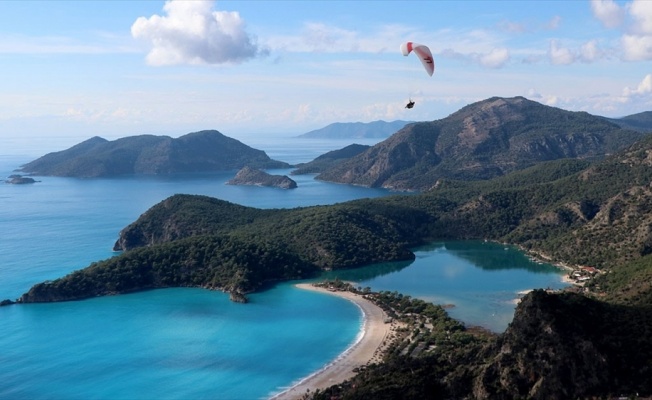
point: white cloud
(533, 94)
(560, 55)
(608, 12)
(637, 43)
(636, 37)
(587, 53)
(590, 51)
(636, 48)
(641, 13)
(551, 100)
(496, 58)
(191, 33)
(643, 88)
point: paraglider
(425, 56)
(423, 52)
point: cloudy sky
(120, 68)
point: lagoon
(193, 343)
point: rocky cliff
(567, 346)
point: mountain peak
(483, 140)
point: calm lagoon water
(193, 343)
(481, 282)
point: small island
(20, 180)
(256, 177)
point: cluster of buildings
(581, 275)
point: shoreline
(365, 349)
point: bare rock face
(256, 177)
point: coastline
(366, 348)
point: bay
(193, 343)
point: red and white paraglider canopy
(423, 52)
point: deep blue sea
(193, 343)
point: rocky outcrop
(567, 346)
(256, 177)
(238, 297)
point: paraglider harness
(410, 104)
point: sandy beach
(375, 332)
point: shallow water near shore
(171, 344)
(193, 343)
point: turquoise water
(480, 282)
(171, 344)
(193, 343)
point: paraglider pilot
(410, 104)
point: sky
(87, 68)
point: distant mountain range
(356, 130)
(202, 151)
(481, 141)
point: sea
(185, 343)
